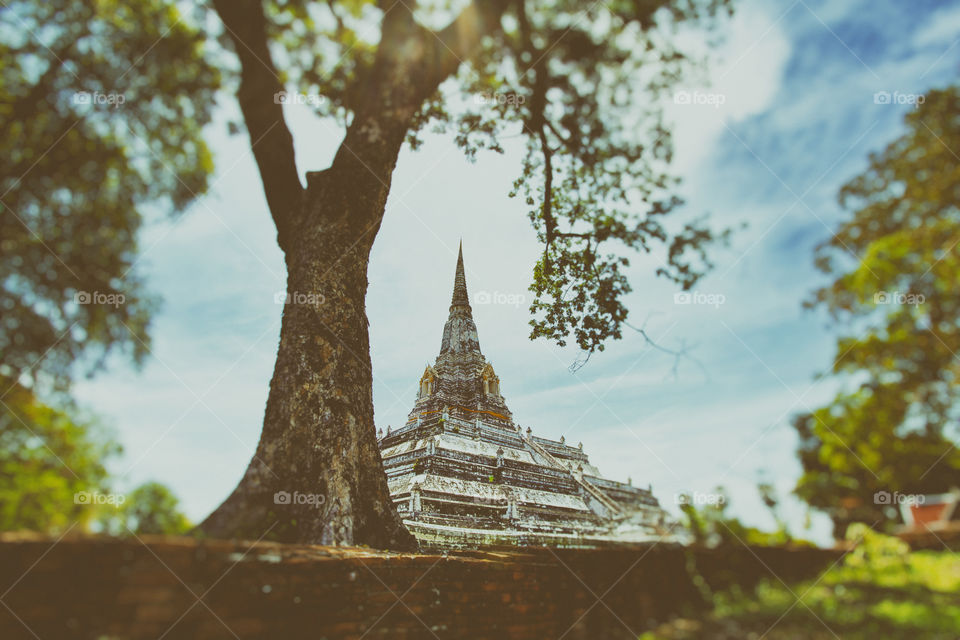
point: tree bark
(317, 475)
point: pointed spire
(460, 296)
(460, 331)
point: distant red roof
(928, 510)
(922, 514)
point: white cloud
(743, 77)
(941, 28)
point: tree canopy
(582, 83)
(102, 104)
(151, 508)
(47, 457)
(54, 475)
(895, 271)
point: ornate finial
(580, 446)
(388, 429)
(529, 431)
(379, 433)
(629, 481)
(562, 440)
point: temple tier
(464, 475)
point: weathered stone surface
(463, 474)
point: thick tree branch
(550, 223)
(410, 64)
(537, 124)
(269, 136)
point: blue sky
(799, 116)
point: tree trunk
(317, 476)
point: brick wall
(92, 587)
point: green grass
(879, 591)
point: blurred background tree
(896, 275)
(150, 508)
(710, 523)
(53, 461)
(47, 457)
(102, 104)
(878, 590)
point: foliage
(47, 458)
(711, 525)
(101, 105)
(880, 590)
(150, 508)
(53, 474)
(581, 84)
(896, 274)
